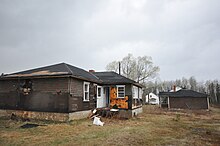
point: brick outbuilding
(184, 99)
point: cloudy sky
(182, 36)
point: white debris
(94, 111)
(97, 121)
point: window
(86, 91)
(135, 91)
(26, 86)
(140, 93)
(153, 100)
(120, 91)
(99, 89)
(104, 90)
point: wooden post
(208, 102)
(168, 101)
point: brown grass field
(154, 126)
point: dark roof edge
(49, 76)
(131, 81)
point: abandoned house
(184, 99)
(64, 92)
(118, 90)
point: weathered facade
(58, 88)
(184, 99)
(66, 89)
(60, 94)
(43, 94)
(122, 93)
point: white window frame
(84, 91)
(135, 90)
(99, 87)
(119, 86)
(104, 90)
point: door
(101, 97)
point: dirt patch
(155, 126)
(30, 125)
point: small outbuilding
(152, 98)
(184, 99)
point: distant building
(184, 99)
(152, 98)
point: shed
(184, 99)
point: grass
(154, 126)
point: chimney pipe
(119, 67)
(174, 88)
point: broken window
(26, 86)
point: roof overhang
(47, 76)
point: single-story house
(60, 92)
(152, 98)
(184, 99)
(119, 91)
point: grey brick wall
(76, 87)
(50, 85)
(8, 85)
(76, 102)
(188, 102)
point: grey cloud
(181, 36)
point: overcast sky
(181, 36)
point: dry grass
(154, 127)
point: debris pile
(97, 121)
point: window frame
(84, 91)
(135, 92)
(120, 86)
(140, 93)
(99, 87)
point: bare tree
(140, 69)
(145, 69)
(218, 92)
(185, 83)
(113, 66)
(128, 64)
(193, 83)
